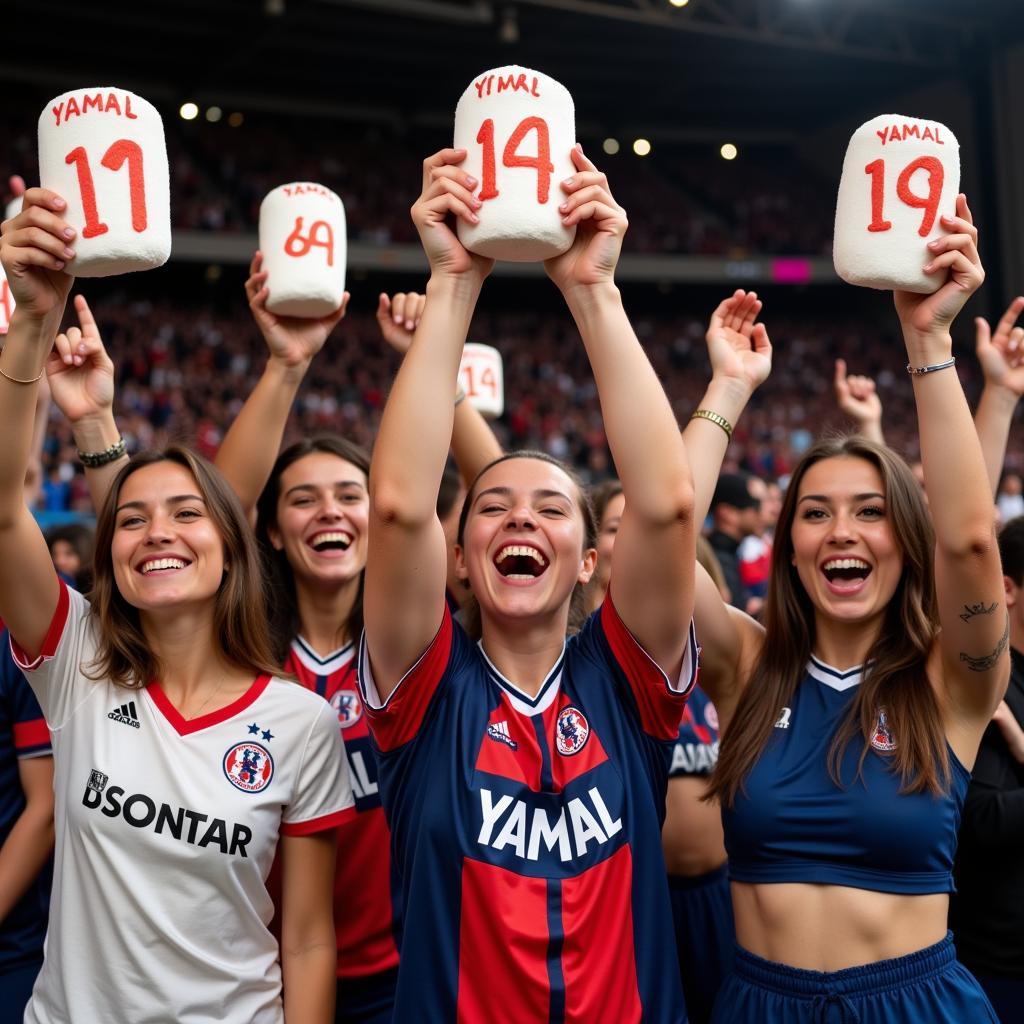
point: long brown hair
(285, 624)
(894, 678)
(240, 611)
(577, 601)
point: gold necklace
(213, 693)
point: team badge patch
(348, 706)
(249, 767)
(571, 731)
(711, 715)
(883, 738)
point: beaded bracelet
(721, 421)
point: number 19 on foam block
(900, 175)
(518, 128)
(103, 151)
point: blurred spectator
(735, 515)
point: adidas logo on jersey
(498, 731)
(783, 722)
(126, 715)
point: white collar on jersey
(523, 702)
(322, 666)
(833, 677)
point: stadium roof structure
(752, 68)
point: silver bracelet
(93, 460)
(460, 396)
(920, 371)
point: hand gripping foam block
(302, 238)
(900, 175)
(6, 298)
(518, 127)
(482, 378)
(103, 151)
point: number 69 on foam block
(103, 151)
(518, 128)
(900, 176)
(481, 376)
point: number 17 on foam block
(518, 128)
(900, 176)
(103, 151)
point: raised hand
(600, 228)
(448, 192)
(398, 316)
(739, 348)
(857, 398)
(80, 372)
(291, 339)
(1002, 354)
(927, 318)
(34, 247)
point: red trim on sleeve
(322, 824)
(53, 634)
(661, 707)
(402, 715)
(33, 733)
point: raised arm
(81, 377)
(741, 359)
(405, 569)
(247, 454)
(968, 576)
(857, 398)
(1001, 356)
(34, 246)
(652, 577)
(473, 442)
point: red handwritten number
(489, 188)
(877, 172)
(119, 152)
(487, 381)
(929, 203)
(113, 159)
(510, 156)
(93, 225)
(297, 244)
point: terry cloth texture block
(103, 151)
(900, 176)
(518, 127)
(302, 238)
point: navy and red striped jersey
(696, 748)
(527, 832)
(23, 734)
(364, 911)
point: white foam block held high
(103, 151)
(7, 302)
(518, 127)
(302, 238)
(900, 176)
(482, 377)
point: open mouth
(331, 540)
(846, 573)
(520, 562)
(160, 565)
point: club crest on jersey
(711, 715)
(571, 731)
(883, 738)
(249, 767)
(348, 706)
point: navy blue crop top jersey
(526, 831)
(695, 751)
(792, 823)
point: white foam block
(482, 377)
(302, 238)
(7, 302)
(103, 151)
(518, 127)
(900, 176)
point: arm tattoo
(984, 663)
(970, 610)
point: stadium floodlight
(610, 146)
(189, 111)
(641, 147)
(729, 151)
(678, 3)
(213, 114)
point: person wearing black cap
(734, 512)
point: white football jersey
(166, 830)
